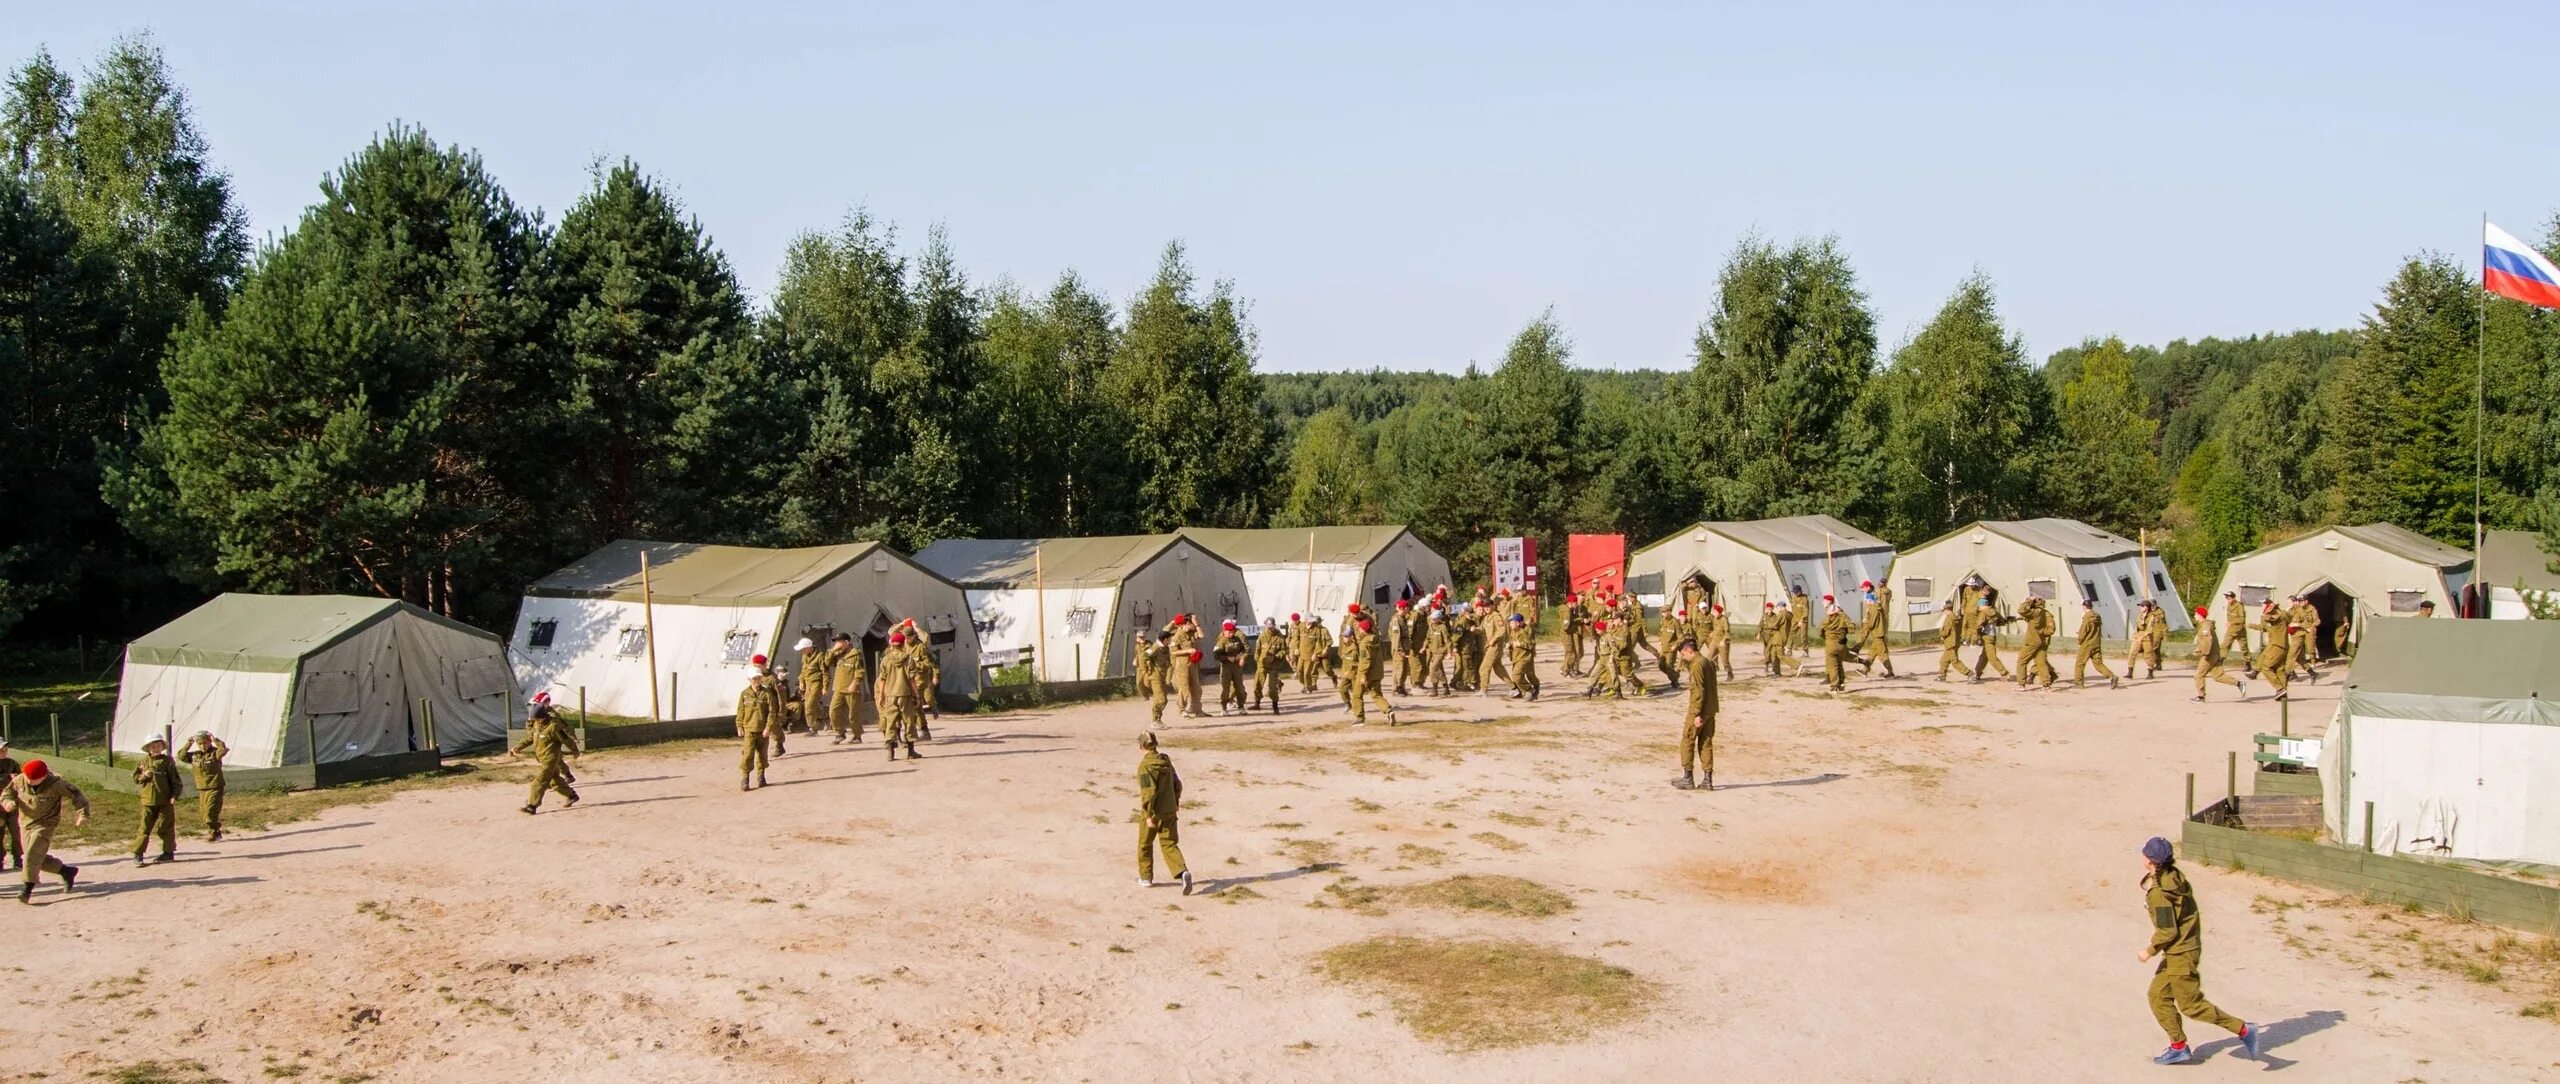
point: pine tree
(1970, 422)
(2400, 447)
(1329, 478)
(1199, 436)
(667, 418)
(1054, 464)
(841, 309)
(926, 390)
(2106, 472)
(57, 309)
(357, 419)
(1777, 399)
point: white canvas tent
(302, 679)
(1317, 570)
(2058, 560)
(2514, 566)
(715, 608)
(2360, 571)
(2444, 729)
(1078, 599)
(1745, 563)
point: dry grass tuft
(1498, 895)
(1419, 855)
(1474, 995)
(1309, 852)
(1498, 841)
(1753, 879)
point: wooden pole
(582, 717)
(649, 634)
(1311, 577)
(1040, 614)
(2191, 796)
(675, 709)
(311, 747)
(2284, 717)
(2231, 782)
(4, 724)
(2368, 828)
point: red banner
(1596, 560)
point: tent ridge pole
(649, 633)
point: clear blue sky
(1405, 186)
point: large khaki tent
(2514, 565)
(304, 679)
(1077, 599)
(715, 608)
(2444, 729)
(2360, 571)
(1745, 563)
(1317, 570)
(2059, 560)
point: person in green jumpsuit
(1436, 642)
(1270, 660)
(1986, 624)
(1577, 629)
(1524, 659)
(1773, 640)
(813, 687)
(2277, 634)
(1698, 730)
(1950, 638)
(36, 796)
(157, 776)
(1148, 661)
(2210, 659)
(1231, 651)
(1836, 654)
(1159, 816)
(848, 689)
(1364, 665)
(758, 705)
(547, 736)
(1873, 642)
(204, 752)
(2235, 625)
(2177, 938)
(2088, 652)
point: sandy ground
(1942, 890)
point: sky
(1405, 186)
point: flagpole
(2479, 429)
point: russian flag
(2512, 269)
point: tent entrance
(1697, 592)
(2334, 607)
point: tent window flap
(2406, 602)
(635, 640)
(330, 692)
(738, 646)
(542, 633)
(1917, 588)
(2042, 589)
(478, 677)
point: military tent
(2059, 560)
(2357, 571)
(1745, 563)
(2443, 728)
(313, 679)
(1317, 570)
(715, 608)
(2515, 567)
(1076, 600)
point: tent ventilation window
(1080, 621)
(2042, 589)
(1648, 585)
(329, 692)
(2089, 590)
(2406, 602)
(482, 676)
(2124, 583)
(1917, 588)
(822, 635)
(635, 640)
(542, 633)
(1146, 617)
(2255, 594)
(1229, 606)
(738, 646)
(2160, 581)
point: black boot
(70, 874)
(911, 751)
(1711, 779)
(1685, 782)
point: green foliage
(2400, 445)
(1970, 423)
(2105, 472)
(1777, 397)
(1199, 438)
(1329, 476)
(357, 420)
(1057, 464)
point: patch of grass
(187, 1071)
(1870, 702)
(1498, 841)
(1474, 995)
(2545, 1009)
(1416, 854)
(1238, 894)
(1519, 820)
(1756, 879)
(1498, 895)
(115, 819)
(1309, 852)
(1349, 894)
(1921, 776)
(1364, 805)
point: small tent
(2513, 566)
(1748, 562)
(2061, 561)
(303, 679)
(1077, 600)
(1317, 570)
(2444, 729)
(2352, 571)
(715, 608)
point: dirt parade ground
(1911, 882)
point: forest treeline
(422, 389)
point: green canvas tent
(302, 679)
(2445, 728)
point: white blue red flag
(2512, 269)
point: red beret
(35, 771)
(1364, 624)
(897, 637)
(758, 660)
(1354, 608)
(1599, 626)
(1294, 617)
(1404, 604)
(1866, 583)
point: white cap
(804, 644)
